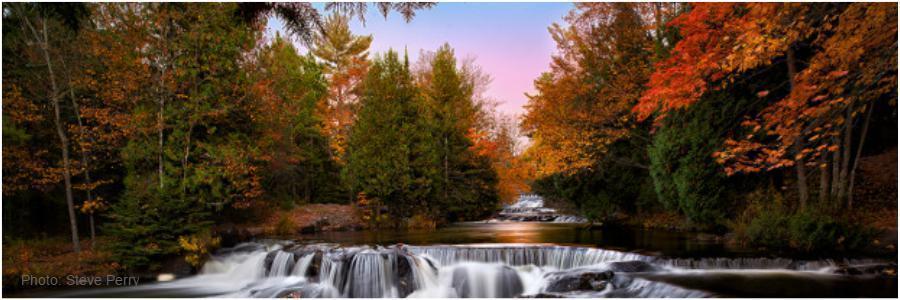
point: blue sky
(508, 40)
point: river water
(505, 259)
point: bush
(773, 225)
(285, 226)
(197, 247)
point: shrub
(197, 247)
(285, 225)
(420, 221)
(772, 225)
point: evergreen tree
(465, 184)
(202, 148)
(381, 141)
(290, 88)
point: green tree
(380, 146)
(290, 88)
(465, 184)
(203, 148)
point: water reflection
(631, 239)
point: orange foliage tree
(851, 64)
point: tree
(465, 181)
(290, 89)
(303, 20)
(380, 145)
(346, 59)
(585, 140)
(584, 103)
(198, 52)
(724, 42)
(841, 82)
(49, 28)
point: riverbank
(46, 258)
(308, 218)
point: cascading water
(482, 270)
(531, 208)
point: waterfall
(559, 257)
(281, 264)
(484, 271)
(370, 276)
(302, 264)
(530, 208)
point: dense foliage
(714, 102)
(162, 119)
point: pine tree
(380, 147)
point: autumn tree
(346, 58)
(195, 119)
(727, 42)
(580, 119)
(290, 89)
(43, 35)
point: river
(505, 259)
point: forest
(749, 118)
(152, 122)
(149, 124)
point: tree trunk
(835, 167)
(93, 239)
(862, 141)
(845, 154)
(802, 188)
(85, 160)
(161, 126)
(824, 180)
(186, 156)
(63, 140)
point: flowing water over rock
(286, 269)
(530, 208)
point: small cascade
(424, 272)
(559, 257)
(281, 264)
(483, 271)
(370, 276)
(640, 288)
(569, 219)
(530, 208)
(302, 265)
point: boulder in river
(631, 266)
(578, 280)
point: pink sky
(508, 40)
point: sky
(509, 41)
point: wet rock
(543, 295)
(315, 266)
(510, 283)
(632, 266)
(267, 262)
(579, 280)
(884, 270)
(405, 281)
